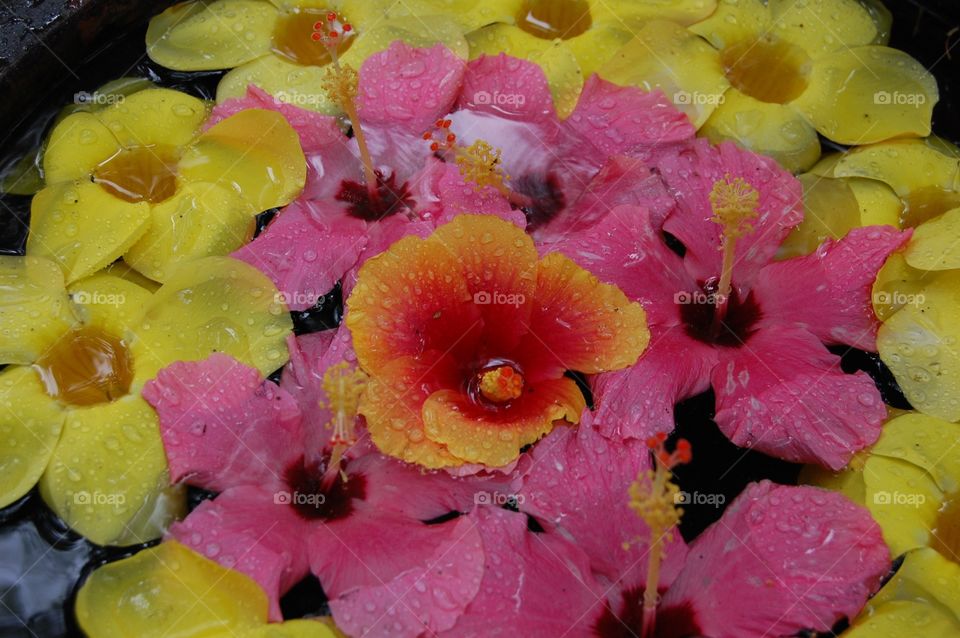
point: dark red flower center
(627, 621)
(697, 310)
(389, 199)
(548, 199)
(313, 500)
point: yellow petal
(201, 220)
(935, 244)
(555, 58)
(822, 26)
(121, 269)
(76, 146)
(775, 130)
(291, 83)
(848, 482)
(107, 95)
(200, 36)
(83, 227)
(215, 304)
(155, 116)
(919, 343)
(896, 284)
(109, 302)
(666, 56)
(905, 165)
(904, 501)
(301, 628)
(35, 309)
(734, 21)
(921, 440)
(255, 152)
(830, 210)
(469, 14)
(903, 618)
(30, 423)
(414, 30)
(882, 19)
(631, 14)
(922, 578)
(595, 47)
(879, 205)
(168, 591)
(868, 94)
(108, 466)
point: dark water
(42, 563)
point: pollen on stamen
(480, 164)
(735, 205)
(343, 385)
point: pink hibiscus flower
(778, 388)
(286, 505)
(568, 167)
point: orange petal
(494, 437)
(391, 406)
(580, 324)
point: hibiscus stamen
(343, 386)
(342, 84)
(654, 497)
(480, 163)
(734, 203)
(501, 384)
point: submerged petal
(31, 421)
(108, 468)
(35, 309)
(155, 117)
(291, 83)
(76, 146)
(83, 227)
(201, 36)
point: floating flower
(755, 331)
(303, 491)
(273, 45)
(574, 39)
(171, 590)
(138, 179)
(910, 482)
(562, 175)
(72, 410)
(782, 559)
(919, 186)
(783, 72)
(467, 334)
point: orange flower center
(946, 531)
(85, 367)
(293, 38)
(551, 19)
(139, 174)
(501, 384)
(769, 69)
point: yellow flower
(70, 408)
(779, 72)
(910, 482)
(170, 591)
(571, 39)
(139, 179)
(269, 44)
(907, 184)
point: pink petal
(424, 599)
(244, 529)
(638, 402)
(310, 357)
(442, 194)
(316, 131)
(829, 291)
(575, 473)
(782, 559)
(611, 119)
(222, 425)
(507, 87)
(369, 548)
(536, 585)
(409, 88)
(306, 250)
(690, 171)
(621, 181)
(626, 250)
(784, 394)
